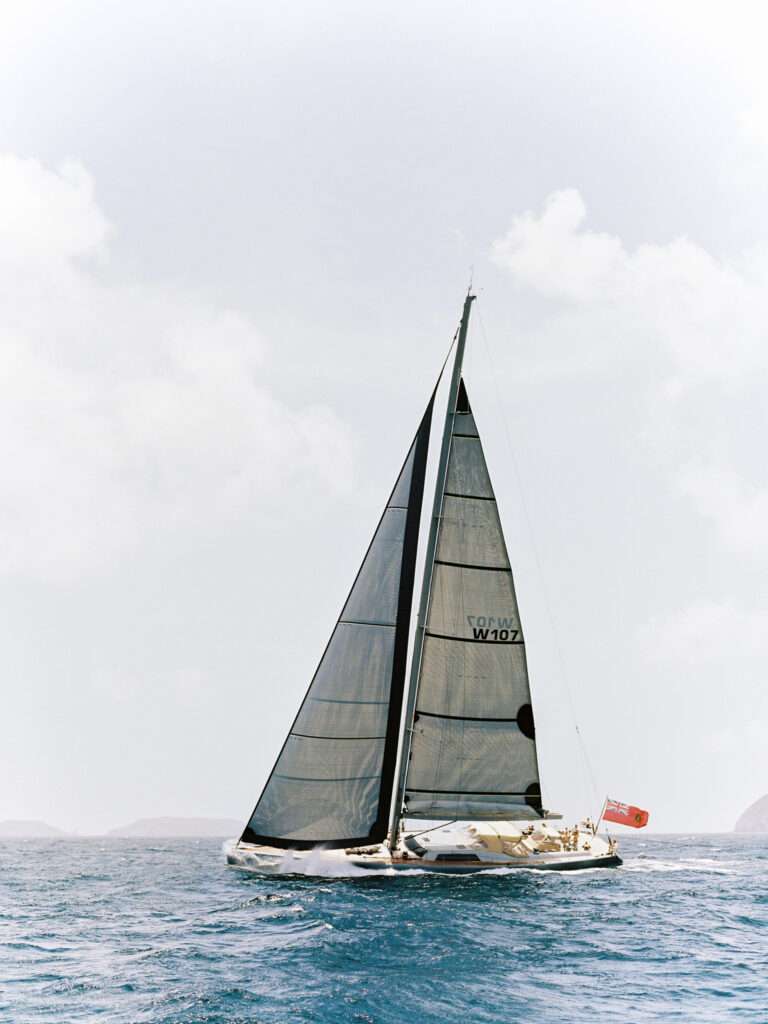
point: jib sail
(332, 783)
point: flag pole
(600, 817)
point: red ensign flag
(625, 814)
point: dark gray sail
(473, 749)
(332, 783)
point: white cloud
(754, 126)
(551, 255)
(737, 506)
(709, 316)
(708, 632)
(697, 323)
(127, 410)
(46, 216)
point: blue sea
(161, 931)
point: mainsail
(332, 783)
(473, 749)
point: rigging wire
(443, 824)
(450, 349)
(564, 678)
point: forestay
(473, 749)
(332, 783)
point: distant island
(17, 828)
(755, 818)
(143, 828)
(168, 828)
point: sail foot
(466, 810)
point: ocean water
(161, 931)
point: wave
(701, 864)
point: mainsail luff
(372, 651)
(442, 471)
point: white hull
(458, 849)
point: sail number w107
(492, 627)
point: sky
(234, 245)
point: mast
(437, 507)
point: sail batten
(472, 748)
(332, 782)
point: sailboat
(433, 768)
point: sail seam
(350, 778)
(473, 640)
(338, 700)
(461, 718)
(466, 792)
(359, 622)
(469, 565)
(471, 497)
(309, 736)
